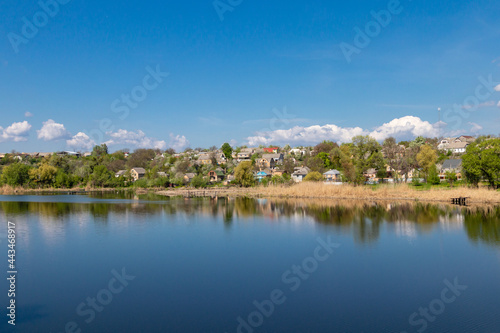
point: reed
(382, 192)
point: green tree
(100, 151)
(16, 174)
(227, 150)
(100, 176)
(451, 177)
(426, 158)
(482, 160)
(433, 176)
(44, 175)
(313, 177)
(198, 181)
(243, 174)
(367, 154)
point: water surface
(202, 265)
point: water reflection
(363, 220)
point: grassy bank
(383, 192)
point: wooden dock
(462, 201)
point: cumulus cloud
(408, 126)
(81, 141)
(52, 131)
(28, 114)
(305, 135)
(16, 132)
(178, 142)
(497, 88)
(404, 127)
(134, 139)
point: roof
(332, 172)
(271, 156)
(218, 172)
(457, 145)
(139, 170)
(190, 175)
(301, 171)
(121, 172)
(452, 164)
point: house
(332, 176)
(298, 152)
(245, 154)
(137, 173)
(457, 147)
(188, 177)
(204, 159)
(466, 138)
(451, 165)
(262, 175)
(216, 176)
(272, 150)
(370, 174)
(300, 173)
(121, 173)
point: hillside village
(363, 161)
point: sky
(177, 74)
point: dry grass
(385, 192)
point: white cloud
(306, 135)
(498, 104)
(178, 142)
(404, 127)
(81, 141)
(16, 132)
(28, 114)
(497, 88)
(475, 127)
(134, 139)
(52, 131)
(479, 106)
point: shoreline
(399, 192)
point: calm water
(124, 263)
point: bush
(313, 177)
(198, 181)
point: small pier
(461, 201)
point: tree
(227, 150)
(243, 174)
(313, 177)
(426, 158)
(198, 181)
(101, 176)
(100, 151)
(16, 174)
(141, 158)
(393, 154)
(433, 176)
(482, 159)
(44, 175)
(451, 177)
(324, 147)
(367, 154)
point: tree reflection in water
(363, 219)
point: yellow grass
(384, 192)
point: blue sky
(268, 73)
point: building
(188, 177)
(332, 176)
(300, 173)
(272, 150)
(457, 147)
(137, 173)
(451, 165)
(216, 176)
(121, 173)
